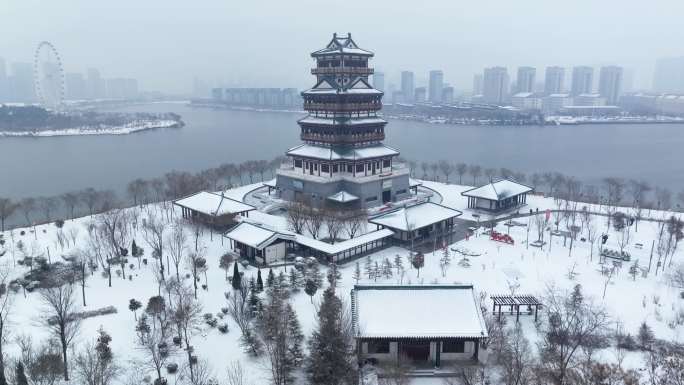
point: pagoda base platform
(370, 191)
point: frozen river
(49, 166)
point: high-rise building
(610, 84)
(75, 86)
(477, 84)
(95, 85)
(525, 80)
(21, 83)
(582, 80)
(553, 80)
(448, 95)
(4, 82)
(436, 85)
(669, 75)
(122, 88)
(379, 81)
(420, 95)
(495, 85)
(407, 86)
(342, 160)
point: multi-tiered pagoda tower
(342, 160)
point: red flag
(548, 214)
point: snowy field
(494, 268)
(129, 128)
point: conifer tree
(237, 280)
(330, 360)
(270, 280)
(295, 281)
(357, 272)
(20, 375)
(310, 288)
(259, 282)
(368, 268)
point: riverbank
(125, 129)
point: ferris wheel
(48, 75)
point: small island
(36, 121)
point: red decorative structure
(499, 237)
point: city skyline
(165, 44)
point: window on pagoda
(386, 163)
(334, 168)
(298, 163)
(325, 168)
(350, 168)
(359, 167)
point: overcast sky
(165, 43)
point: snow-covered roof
(341, 121)
(340, 153)
(339, 247)
(415, 217)
(523, 94)
(499, 190)
(414, 182)
(342, 45)
(343, 197)
(420, 311)
(559, 95)
(257, 236)
(213, 204)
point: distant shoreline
(126, 129)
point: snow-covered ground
(129, 128)
(495, 270)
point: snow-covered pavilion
(211, 208)
(264, 244)
(498, 196)
(390, 323)
(417, 222)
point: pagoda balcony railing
(287, 169)
(342, 70)
(349, 138)
(342, 107)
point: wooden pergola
(515, 301)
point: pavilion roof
(342, 45)
(498, 190)
(213, 204)
(342, 152)
(415, 217)
(417, 311)
(343, 197)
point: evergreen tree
(295, 281)
(315, 275)
(645, 336)
(282, 283)
(376, 271)
(357, 272)
(20, 375)
(259, 282)
(334, 275)
(576, 298)
(237, 279)
(254, 301)
(134, 249)
(330, 346)
(387, 268)
(295, 352)
(134, 305)
(270, 280)
(310, 288)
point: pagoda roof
(341, 45)
(342, 152)
(498, 190)
(327, 86)
(339, 121)
(343, 197)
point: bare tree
(461, 169)
(7, 208)
(516, 358)
(6, 304)
(47, 205)
(333, 223)
(27, 206)
(187, 316)
(296, 216)
(59, 318)
(447, 168)
(96, 364)
(116, 234)
(176, 245)
(90, 198)
(663, 198)
(197, 264)
(572, 322)
(137, 190)
(153, 233)
(152, 342)
(355, 222)
(475, 171)
(236, 374)
(637, 190)
(314, 221)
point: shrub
(223, 328)
(172, 368)
(59, 223)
